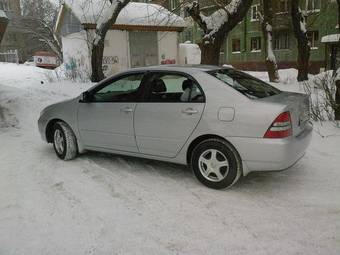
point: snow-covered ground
(109, 204)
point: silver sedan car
(221, 122)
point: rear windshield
(244, 83)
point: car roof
(179, 68)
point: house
(3, 24)
(144, 34)
(13, 38)
(245, 46)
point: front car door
(107, 120)
(169, 113)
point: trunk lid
(297, 104)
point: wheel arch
(201, 138)
(49, 129)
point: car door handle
(189, 111)
(127, 110)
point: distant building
(13, 38)
(144, 34)
(244, 47)
(3, 24)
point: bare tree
(300, 32)
(103, 25)
(217, 26)
(266, 18)
(38, 17)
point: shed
(332, 60)
(144, 34)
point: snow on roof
(330, 38)
(133, 14)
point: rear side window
(244, 83)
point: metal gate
(143, 48)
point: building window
(255, 44)
(282, 6)
(4, 5)
(314, 5)
(313, 38)
(254, 16)
(281, 40)
(236, 45)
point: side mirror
(85, 97)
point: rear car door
(107, 120)
(172, 107)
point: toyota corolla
(221, 122)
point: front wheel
(216, 163)
(64, 141)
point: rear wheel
(216, 163)
(64, 141)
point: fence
(10, 56)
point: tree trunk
(300, 32)
(267, 31)
(337, 101)
(108, 19)
(97, 62)
(210, 52)
(337, 83)
(217, 26)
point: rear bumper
(260, 154)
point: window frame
(232, 45)
(314, 44)
(111, 80)
(277, 35)
(313, 9)
(258, 43)
(256, 6)
(279, 7)
(147, 88)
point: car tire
(64, 141)
(216, 163)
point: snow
(133, 14)
(330, 38)
(109, 204)
(3, 14)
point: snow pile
(144, 14)
(3, 14)
(26, 90)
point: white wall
(168, 47)
(76, 54)
(116, 52)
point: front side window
(122, 90)
(244, 83)
(255, 43)
(168, 87)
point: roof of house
(143, 14)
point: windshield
(244, 83)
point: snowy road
(107, 204)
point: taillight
(281, 127)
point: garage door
(143, 48)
